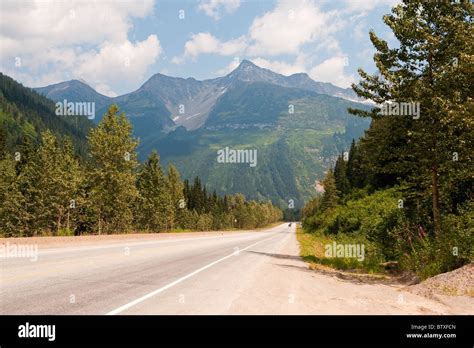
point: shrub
(204, 222)
(427, 254)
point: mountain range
(298, 126)
(171, 102)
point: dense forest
(47, 188)
(24, 114)
(406, 189)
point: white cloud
(283, 30)
(50, 24)
(360, 31)
(289, 26)
(205, 43)
(104, 89)
(281, 67)
(234, 63)
(367, 54)
(53, 39)
(368, 5)
(332, 70)
(115, 62)
(29, 80)
(214, 8)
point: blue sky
(115, 46)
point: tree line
(420, 169)
(47, 189)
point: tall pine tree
(176, 188)
(51, 180)
(330, 196)
(340, 176)
(155, 206)
(111, 174)
(431, 66)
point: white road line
(157, 291)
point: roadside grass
(312, 250)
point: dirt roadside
(309, 291)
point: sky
(115, 46)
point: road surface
(226, 273)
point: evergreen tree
(340, 176)
(51, 180)
(3, 141)
(112, 172)
(330, 197)
(48, 190)
(176, 188)
(155, 204)
(74, 175)
(197, 196)
(214, 202)
(13, 216)
(432, 66)
(356, 170)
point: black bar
(290, 331)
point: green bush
(313, 250)
(364, 221)
(370, 216)
(64, 232)
(427, 254)
(204, 222)
(390, 235)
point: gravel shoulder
(454, 289)
(285, 284)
